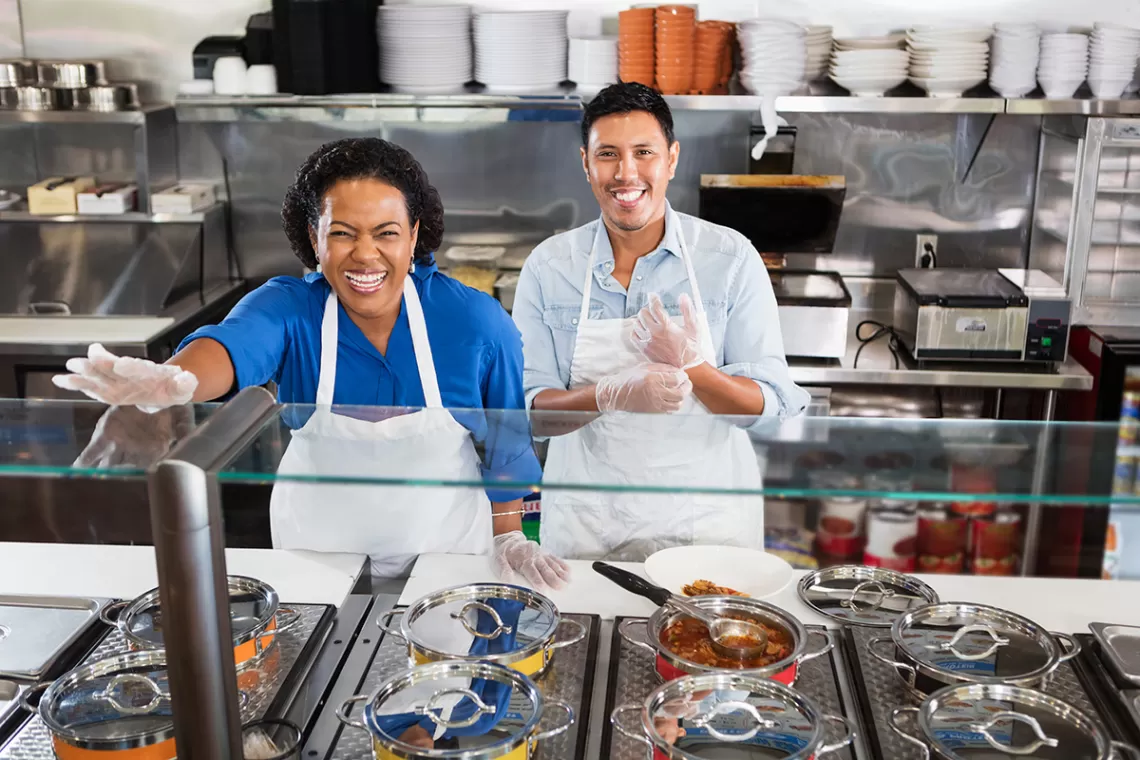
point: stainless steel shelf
(139, 116)
(131, 217)
(915, 104)
(1073, 106)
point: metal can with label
(840, 534)
(892, 535)
(973, 479)
(942, 536)
(1129, 418)
(1124, 476)
(995, 543)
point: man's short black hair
(624, 98)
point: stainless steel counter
(876, 367)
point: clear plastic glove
(663, 341)
(127, 437)
(649, 388)
(515, 554)
(127, 381)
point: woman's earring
(412, 267)
(318, 268)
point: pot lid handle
(872, 587)
(433, 704)
(951, 645)
(702, 721)
(126, 680)
(1040, 739)
(475, 604)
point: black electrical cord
(880, 330)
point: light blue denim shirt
(737, 294)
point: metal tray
(10, 713)
(1116, 701)
(879, 689)
(570, 679)
(633, 676)
(269, 684)
(36, 631)
(1120, 645)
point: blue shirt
(737, 293)
(274, 333)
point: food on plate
(689, 639)
(702, 587)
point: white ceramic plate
(749, 571)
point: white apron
(391, 524)
(687, 450)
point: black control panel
(1047, 332)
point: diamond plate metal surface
(637, 678)
(564, 681)
(261, 683)
(881, 688)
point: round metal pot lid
(253, 606)
(728, 715)
(865, 596)
(489, 707)
(688, 643)
(976, 643)
(991, 721)
(485, 619)
(116, 703)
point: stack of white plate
(774, 54)
(1064, 64)
(1014, 53)
(889, 42)
(424, 48)
(593, 63)
(520, 51)
(869, 72)
(947, 62)
(818, 41)
(1113, 51)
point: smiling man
(649, 311)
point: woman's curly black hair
(361, 158)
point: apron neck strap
(326, 379)
(587, 287)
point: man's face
(629, 163)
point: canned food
(892, 535)
(1124, 475)
(995, 543)
(972, 479)
(1129, 417)
(840, 532)
(942, 536)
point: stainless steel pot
(71, 74)
(493, 622)
(730, 712)
(873, 597)
(979, 720)
(953, 643)
(35, 98)
(9, 97)
(671, 666)
(433, 694)
(255, 616)
(113, 97)
(17, 73)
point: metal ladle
(722, 630)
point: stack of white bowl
(889, 42)
(818, 41)
(947, 62)
(774, 53)
(424, 49)
(1014, 53)
(1064, 64)
(520, 52)
(593, 63)
(1113, 51)
(869, 72)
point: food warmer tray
(44, 635)
(633, 676)
(879, 689)
(296, 649)
(569, 678)
(1117, 699)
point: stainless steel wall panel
(11, 36)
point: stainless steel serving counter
(877, 367)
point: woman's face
(364, 244)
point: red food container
(892, 538)
(995, 544)
(973, 479)
(942, 539)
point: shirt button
(609, 266)
(574, 321)
(639, 278)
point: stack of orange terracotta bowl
(713, 57)
(676, 41)
(636, 45)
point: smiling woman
(376, 324)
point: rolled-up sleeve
(753, 343)
(540, 362)
(509, 455)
